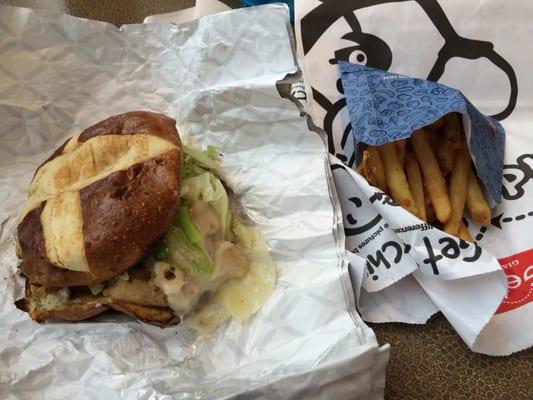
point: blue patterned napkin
(385, 107)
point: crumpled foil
(217, 76)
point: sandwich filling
(124, 217)
(209, 267)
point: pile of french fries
(431, 175)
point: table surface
(427, 361)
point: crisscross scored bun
(98, 204)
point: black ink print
(450, 248)
(354, 226)
(373, 51)
(515, 176)
(383, 199)
(432, 258)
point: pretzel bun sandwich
(125, 217)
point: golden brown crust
(72, 312)
(34, 264)
(56, 153)
(153, 315)
(124, 214)
(80, 305)
(136, 291)
(132, 123)
(40, 272)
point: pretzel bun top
(99, 203)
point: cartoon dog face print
(372, 32)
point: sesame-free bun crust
(100, 202)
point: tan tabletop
(428, 362)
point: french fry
(414, 178)
(475, 201)
(431, 217)
(464, 233)
(433, 179)
(434, 138)
(449, 143)
(435, 126)
(396, 180)
(430, 212)
(373, 168)
(458, 186)
(361, 167)
(400, 149)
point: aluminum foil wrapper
(217, 76)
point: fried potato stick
(435, 126)
(373, 168)
(396, 180)
(400, 149)
(433, 179)
(434, 139)
(361, 167)
(430, 213)
(414, 178)
(475, 201)
(464, 233)
(449, 142)
(457, 188)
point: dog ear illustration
(372, 50)
(461, 47)
(333, 111)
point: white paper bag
(479, 48)
(200, 9)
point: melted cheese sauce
(182, 293)
(237, 298)
(243, 276)
(242, 297)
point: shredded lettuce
(198, 161)
(220, 203)
(198, 188)
(207, 187)
(124, 276)
(190, 257)
(213, 153)
(208, 159)
(183, 245)
(185, 221)
(161, 252)
(190, 168)
(96, 289)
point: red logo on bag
(519, 271)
